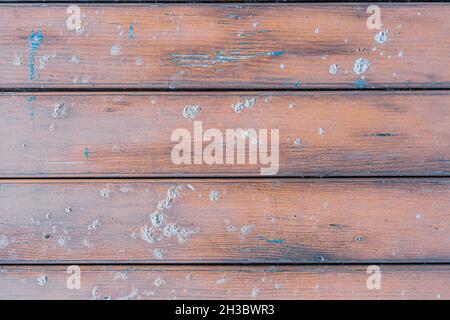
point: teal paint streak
(35, 40)
(131, 33)
(360, 83)
(207, 60)
(275, 53)
(277, 241)
(86, 153)
(297, 84)
(30, 100)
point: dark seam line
(242, 264)
(209, 177)
(219, 2)
(232, 89)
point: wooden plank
(225, 282)
(225, 221)
(223, 46)
(320, 133)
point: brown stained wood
(225, 282)
(129, 134)
(223, 46)
(245, 221)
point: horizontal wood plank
(225, 282)
(320, 133)
(223, 221)
(224, 46)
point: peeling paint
(361, 65)
(191, 112)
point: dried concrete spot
(159, 253)
(292, 105)
(188, 276)
(51, 127)
(18, 60)
(190, 112)
(125, 189)
(247, 104)
(184, 233)
(191, 187)
(42, 281)
(277, 286)
(172, 193)
(115, 149)
(68, 210)
(321, 131)
(4, 242)
(94, 293)
(382, 36)
(361, 65)
(298, 141)
(75, 59)
(246, 229)
(221, 281)
(214, 195)
(165, 204)
(139, 61)
(43, 60)
(62, 241)
(255, 292)
(401, 53)
(147, 234)
(116, 51)
(231, 228)
(334, 68)
(157, 219)
(148, 293)
(171, 230)
(96, 224)
(105, 193)
(418, 216)
(59, 110)
(133, 295)
(159, 282)
(87, 243)
(80, 30)
(121, 276)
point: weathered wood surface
(223, 46)
(320, 133)
(220, 221)
(225, 282)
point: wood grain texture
(245, 221)
(225, 282)
(223, 46)
(320, 133)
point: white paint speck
(334, 68)
(116, 51)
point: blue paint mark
(297, 84)
(360, 83)
(131, 34)
(275, 53)
(35, 42)
(86, 153)
(31, 99)
(277, 241)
